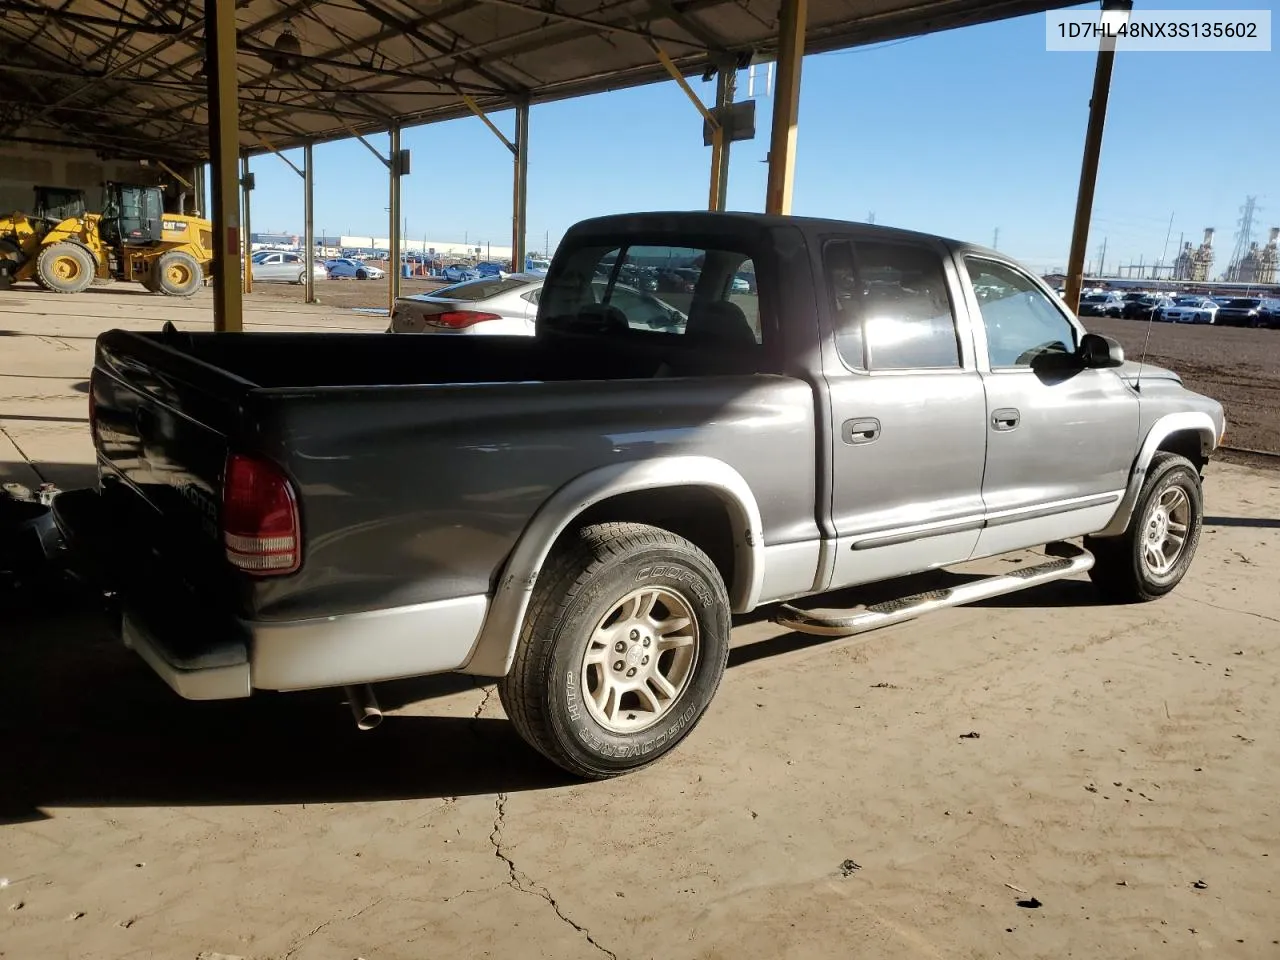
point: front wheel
(362, 275)
(65, 267)
(1150, 558)
(623, 647)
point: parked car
(581, 512)
(488, 268)
(275, 266)
(749, 279)
(1188, 310)
(1269, 314)
(458, 272)
(739, 285)
(1240, 312)
(507, 306)
(1101, 305)
(536, 266)
(346, 268)
(1140, 307)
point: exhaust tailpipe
(364, 706)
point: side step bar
(1071, 560)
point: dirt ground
(1237, 366)
(361, 294)
(1039, 775)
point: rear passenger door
(1061, 439)
(908, 412)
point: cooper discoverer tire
(1150, 558)
(622, 648)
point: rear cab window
(656, 290)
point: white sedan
(507, 305)
(1188, 310)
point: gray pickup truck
(581, 512)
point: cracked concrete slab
(1126, 755)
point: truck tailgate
(160, 422)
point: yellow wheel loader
(64, 249)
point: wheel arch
(75, 242)
(635, 492)
(1191, 434)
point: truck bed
(418, 461)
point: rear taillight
(457, 319)
(260, 517)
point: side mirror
(1097, 352)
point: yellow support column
(393, 241)
(246, 186)
(1114, 12)
(520, 190)
(786, 106)
(224, 135)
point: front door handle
(860, 431)
(1006, 418)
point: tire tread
(568, 569)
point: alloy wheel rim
(640, 659)
(1165, 531)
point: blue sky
(957, 133)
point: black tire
(65, 268)
(362, 275)
(302, 277)
(547, 689)
(176, 274)
(1121, 571)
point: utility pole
(1167, 234)
(546, 245)
(1102, 258)
(871, 216)
(995, 240)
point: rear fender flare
(1161, 430)
(495, 648)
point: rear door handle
(860, 431)
(1006, 418)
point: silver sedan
(282, 266)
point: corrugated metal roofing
(127, 76)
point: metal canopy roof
(126, 77)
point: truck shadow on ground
(86, 723)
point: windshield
(1189, 301)
(480, 289)
(1245, 304)
(1096, 297)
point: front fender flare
(1161, 430)
(494, 650)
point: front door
(908, 411)
(1060, 439)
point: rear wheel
(623, 647)
(11, 259)
(65, 268)
(176, 274)
(1150, 558)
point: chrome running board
(1070, 561)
